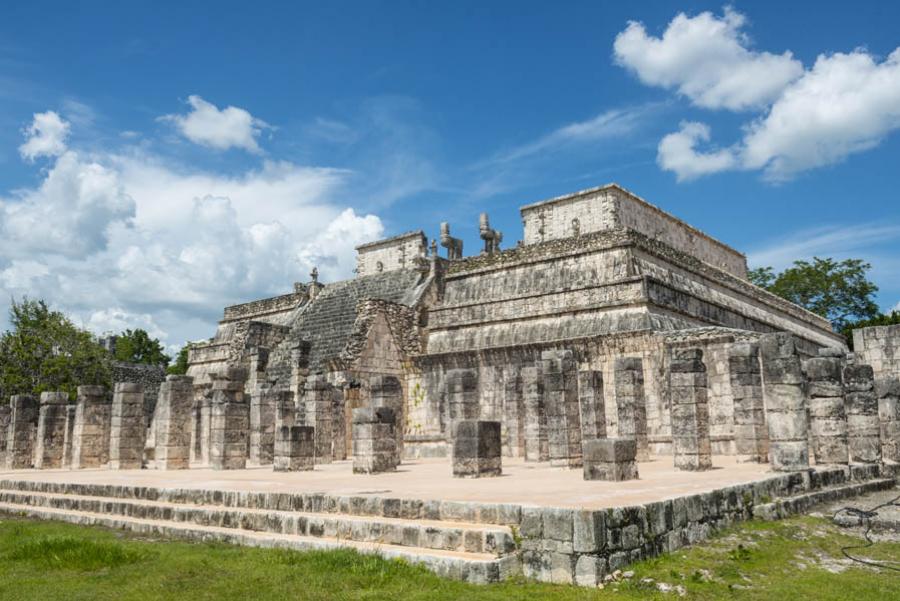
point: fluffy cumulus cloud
(46, 136)
(807, 118)
(127, 239)
(207, 125)
(708, 60)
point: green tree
(136, 346)
(43, 350)
(180, 366)
(839, 291)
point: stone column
(69, 435)
(751, 436)
(477, 449)
(126, 435)
(229, 424)
(285, 410)
(631, 406)
(888, 392)
(612, 459)
(318, 414)
(374, 440)
(90, 434)
(827, 416)
(21, 433)
(201, 410)
(513, 413)
(262, 426)
(863, 428)
(785, 399)
(339, 429)
(173, 423)
(462, 396)
(591, 404)
(690, 410)
(559, 373)
(51, 431)
(295, 449)
(385, 391)
(536, 446)
(5, 414)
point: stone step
(800, 503)
(501, 514)
(478, 568)
(496, 541)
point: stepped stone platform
(542, 522)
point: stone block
(477, 449)
(294, 449)
(374, 440)
(611, 459)
(631, 407)
(51, 431)
(127, 430)
(90, 434)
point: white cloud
(207, 125)
(677, 152)
(846, 103)
(707, 59)
(46, 136)
(825, 241)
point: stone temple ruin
(613, 345)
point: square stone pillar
(631, 406)
(173, 423)
(201, 410)
(690, 410)
(751, 435)
(127, 431)
(513, 413)
(90, 434)
(374, 440)
(888, 392)
(462, 396)
(827, 416)
(385, 391)
(591, 404)
(319, 415)
(340, 430)
(285, 409)
(477, 449)
(21, 432)
(611, 459)
(785, 399)
(295, 449)
(69, 435)
(229, 423)
(51, 431)
(262, 426)
(559, 372)
(536, 445)
(5, 414)
(863, 427)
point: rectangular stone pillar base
(477, 449)
(611, 459)
(374, 440)
(295, 449)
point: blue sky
(159, 161)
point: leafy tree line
(44, 350)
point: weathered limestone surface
(888, 392)
(863, 428)
(386, 391)
(630, 403)
(592, 405)
(786, 406)
(477, 449)
(5, 411)
(513, 413)
(536, 443)
(319, 415)
(68, 440)
(612, 459)
(295, 449)
(173, 423)
(374, 440)
(90, 434)
(262, 412)
(462, 396)
(229, 430)
(559, 373)
(51, 431)
(827, 416)
(21, 432)
(690, 410)
(127, 429)
(751, 435)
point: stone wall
(399, 252)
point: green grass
(781, 560)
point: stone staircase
(473, 552)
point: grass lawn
(795, 559)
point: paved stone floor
(430, 479)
